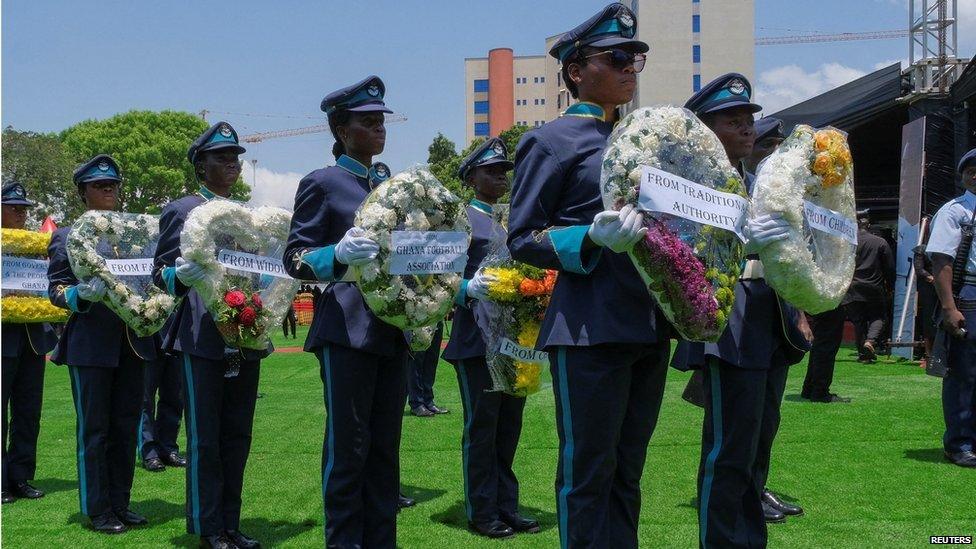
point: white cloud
(788, 85)
(270, 188)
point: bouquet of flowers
(809, 180)
(666, 162)
(423, 234)
(118, 248)
(25, 284)
(511, 317)
(248, 291)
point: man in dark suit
(866, 301)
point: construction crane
(842, 37)
(276, 134)
(318, 128)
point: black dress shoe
(131, 518)
(773, 500)
(153, 465)
(962, 459)
(494, 529)
(25, 490)
(437, 409)
(242, 541)
(217, 541)
(772, 515)
(522, 525)
(829, 398)
(404, 501)
(8, 497)
(174, 459)
(421, 411)
(107, 523)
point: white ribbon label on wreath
(508, 347)
(428, 252)
(252, 263)
(130, 267)
(665, 192)
(830, 222)
(29, 275)
(118, 248)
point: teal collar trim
(206, 193)
(352, 166)
(586, 110)
(482, 207)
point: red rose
(247, 316)
(256, 301)
(234, 298)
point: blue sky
(66, 61)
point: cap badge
(737, 87)
(373, 90)
(626, 20)
(381, 170)
(499, 149)
(103, 166)
(225, 131)
(19, 191)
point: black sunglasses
(620, 59)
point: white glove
(618, 230)
(478, 285)
(189, 272)
(355, 249)
(764, 230)
(93, 290)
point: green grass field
(869, 473)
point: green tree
(441, 150)
(444, 161)
(511, 137)
(150, 147)
(38, 162)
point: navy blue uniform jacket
(599, 297)
(38, 335)
(466, 338)
(325, 208)
(93, 335)
(191, 329)
(760, 326)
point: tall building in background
(503, 90)
(692, 42)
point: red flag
(49, 226)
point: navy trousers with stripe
(160, 422)
(107, 403)
(607, 402)
(219, 418)
(959, 391)
(364, 398)
(492, 426)
(23, 390)
(742, 414)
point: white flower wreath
(131, 236)
(251, 229)
(809, 180)
(689, 267)
(413, 200)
